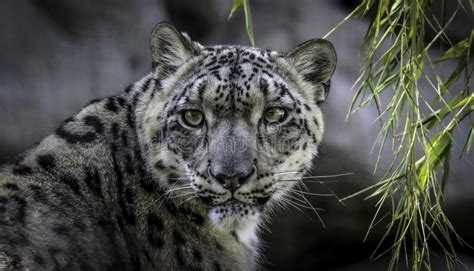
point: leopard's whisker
(284, 172)
(313, 194)
(166, 195)
(307, 193)
(188, 199)
(295, 198)
(182, 195)
(179, 189)
(314, 209)
(296, 206)
(304, 202)
(170, 192)
(162, 199)
(300, 204)
(331, 194)
(302, 184)
(178, 178)
(335, 195)
(186, 171)
(321, 176)
(307, 181)
(303, 181)
(175, 184)
(290, 202)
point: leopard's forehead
(224, 55)
(235, 79)
(237, 62)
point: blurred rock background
(56, 55)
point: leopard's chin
(233, 210)
(234, 204)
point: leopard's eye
(275, 114)
(193, 118)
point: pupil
(275, 114)
(193, 116)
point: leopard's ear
(315, 60)
(170, 49)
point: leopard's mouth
(259, 202)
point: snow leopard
(177, 172)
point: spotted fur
(125, 184)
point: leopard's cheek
(275, 149)
(187, 144)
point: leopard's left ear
(170, 49)
(316, 61)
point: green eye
(193, 118)
(275, 114)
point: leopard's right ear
(170, 49)
(315, 60)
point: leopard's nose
(234, 180)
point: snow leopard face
(235, 127)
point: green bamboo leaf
(248, 22)
(470, 138)
(235, 6)
(437, 150)
(248, 17)
(439, 115)
(454, 77)
(458, 50)
(444, 178)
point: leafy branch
(421, 130)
